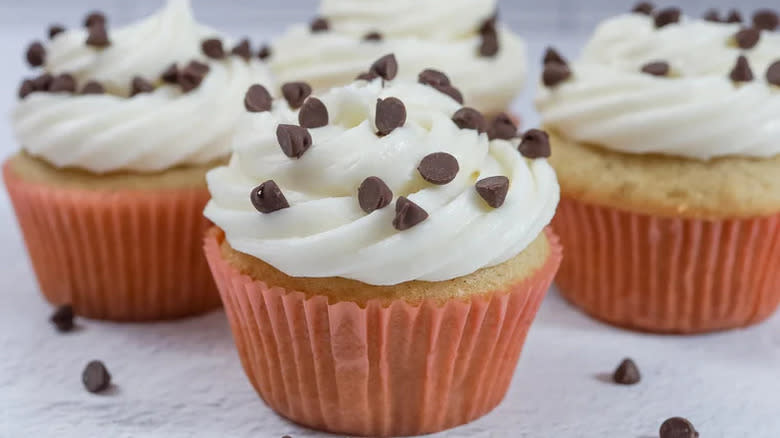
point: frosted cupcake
(485, 60)
(117, 134)
(666, 142)
(380, 259)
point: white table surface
(183, 379)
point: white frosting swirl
(697, 111)
(421, 34)
(324, 232)
(148, 132)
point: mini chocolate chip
(451, 91)
(667, 16)
(294, 140)
(140, 86)
(98, 36)
(319, 25)
(503, 127)
(367, 76)
(171, 74)
(372, 36)
(678, 427)
(95, 17)
(766, 19)
(741, 71)
(645, 8)
(63, 83)
(212, 48)
(747, 37)
(551, 56)
(386, 67)
(627, 373)
(191, 76)
(657, 68)
(96, 377)
(712, 15)
(43, 82)
(265, 52)
(313, 114)
(489, 45)
(554, 74)
(93, 87)
(734, 17)
(773, 73)
(390, 114)
(27, 87)
(243, 49)
(489, 24)
(62, 318)
(268, 198)
(439, 168)
(493, 190)
(36, 54)
(469, 118)
(433, 78)
(535, 144)
(54, 30)
(407, 214)
(257, 99)
(374, 194)
(295, 93)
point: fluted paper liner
(669, 275)
(126, 255)
(382, 369)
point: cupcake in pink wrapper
(380, 258)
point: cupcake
(380, 259)
(666, 142)
(116, 136)
(463, 38)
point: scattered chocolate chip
(268, 198)
(773, 73)
(63, 83)
(367, 76)
(667, 16)
(741, 71)
(313, 114)
(295, 93)
(734, 17)
(54, 30)
(95, 17)
(374, 194)
(62, 318)
(551, 56)
(96, 377)
(98, 36)
(535, 144)
(243, 49)
(171, 74)
(678, 427)
(93, 87)
(36, 54)
(451, 91)
(265, 52)
(212, 48)
(503, 127)
(627, 373)
(191, 76)
(489, 46)
(140, 85)
(656, 68)
(493, 190)
(43, 82)
(294, 140)
(766, 19)
(257, 99)
(747, 38)
(372, 36)
(319, 25)
(489, 24)
(645, 8)
(390, 114)
(712, 15)
(27, 87)
(386, 67)
(433, 78)
(407, 214)
(469, 118)
(554, 74)
(439, 168)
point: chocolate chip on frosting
(741, 71)
(551, 56)
(386, 67)
(243, 49)
(54, 30)
(374, 194)
(295, 93)
(268, 198)
(140, 85)
(554, 74)
(493, 190)
(94, 17)
(372, 36)
(503, 128)
(171, 74)
(712, 15)
(441, 82)
(678, 427)
(734, 17)
(27, 87)
(257, 99)
(366, 76)
(390, 114)
(43, 82)
(439, 168)
(63, 83)
(535, 144)
(265, 52)
(644, 8)
(773, 73)
(98, 35)
(747, 38)
(191, 76)
(319, 25)
(489, 45)
(313, 114)
(469, 118)
(489, 24)
(407, 214)
(667, 16)
(36, 54)
(93, 87)
(766, 19)
(294, 140)
(213, 48)
(656, 68)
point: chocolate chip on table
(644, 8)
(374, 194)
(319, 25)
(712, 15)
(773, 73)
(439, 168)
(407, 214)
(489, 45)
(243, 49)
(766, 19)
(390, 114)
(294, 140)
(385, 67)
(554, 74)
(96, 377)
(191, 76)
(741, 71)
(313, 114)
(93, 87)
(95, 17)
(551, 56)
(734, 17)
(627, 373)
(36, 54)
(43, 82)
(372, 36)
(656, 68)
(268, 198)
(535, 144)
(469, 118)
(140, 85)
(62, 318)
(503, 128)
(667, 16)
(257, 99)
(213, 48)
(265, 52)
(493, 190)
(747, 37)
(54, 30)
(63, 83)
(295, 93)
(171, 74)
(678, 427)
(27, 87)
(98, 35)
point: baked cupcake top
(162, 92)
(460, 37)
(382, 181)
(654, 81)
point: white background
(183, 379)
